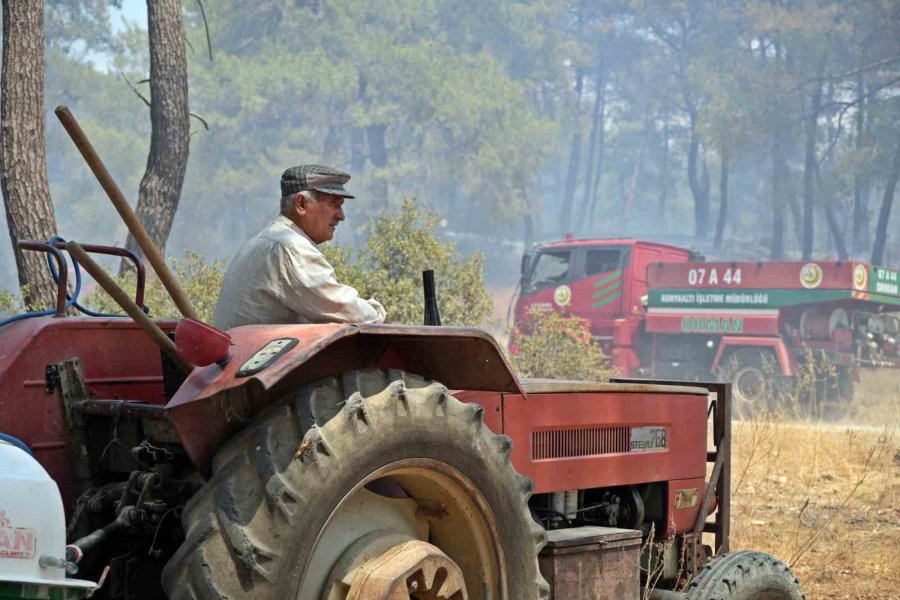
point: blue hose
(71, 300)
(16, 442)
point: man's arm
(311, 289)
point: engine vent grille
(584, 441)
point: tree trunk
(23, 159)
(160, 188)
(664, 180)
(836, 235)
(636, 173)
(527, 220)
(860, 182)
(884, 215)
(831, 218)
(592, 148)
(358, 136)
(601, 149)
(698, 189)
(723, 199)
(780, 175)
(331, 145)
(357, 151)
(809, 169)
(565, 214)
(376, 135)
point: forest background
(746, 129)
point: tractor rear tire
(745, 575)
(294, 493)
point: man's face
(319, 219)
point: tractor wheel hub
(414, 569)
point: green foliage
(473, 102)
(389, 268)
(201, 282)
(10, 303)
(559, 346)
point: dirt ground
(825, 497)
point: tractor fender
(214, 402)
(731, 343)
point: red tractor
(324, 462)
(662, 311)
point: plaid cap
(314, 177)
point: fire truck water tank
(32, 532)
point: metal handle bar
(121, 252)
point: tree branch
(201, 119)
(134, 89)
(861, 69)
(206, 28)
(147, 102)
(870, 93)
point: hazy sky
(132, 10)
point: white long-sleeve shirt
(281, 276)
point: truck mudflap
(268, 361)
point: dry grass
(825, 497)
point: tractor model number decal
(16, 542)
(712, 325)
(648, 439)
(712, 276)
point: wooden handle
(131, 221)
(128, 305)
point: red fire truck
(663, 311)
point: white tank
(32, 525)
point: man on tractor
(280, 275)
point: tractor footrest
(592, 563)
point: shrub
(201, 282)
(559, 346)
(389, 268)
(10, 303)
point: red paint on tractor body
(119, 361)
(578, 462)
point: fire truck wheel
(745, 575)
(395, 481)
(755, 381)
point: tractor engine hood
(217, 400)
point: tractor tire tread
(741, 575)
(266, 476)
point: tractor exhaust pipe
(128, 305)
(131, 221)
(432, 313)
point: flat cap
(314, 177)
